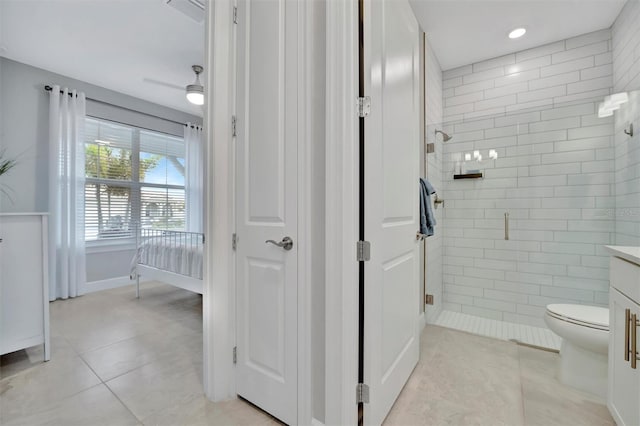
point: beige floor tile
(201, 411)
(549, 402)
(45, 384)
(97, 320)
(461, 379)
(165, 382)
(440, 413)
(19, 361)
(96, 406)
(123, 356)
(87, 337)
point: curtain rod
(49, 88)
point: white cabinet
(624, 340)
(24, 283)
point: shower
(445, 137)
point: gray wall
(109, 264)
(24, 123)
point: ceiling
(462, 32)
(143, 48)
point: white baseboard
(108, 284)
(316, 422)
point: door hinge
(428, 299)
(234, 241)
(362, 393)
(235, 14)
(235, 354)
(364, 106)
(234, 122)
(364, 251)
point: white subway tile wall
(554, 175)
(626, 77)
(580, 66)
(434, 174)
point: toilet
(585, 340)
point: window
(133, 176)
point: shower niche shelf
(469, 176)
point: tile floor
(121, 361)
(536, 336)
(118, 361)
(465, 379)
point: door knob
(286, 243)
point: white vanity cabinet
(624, 337)
(24, 282)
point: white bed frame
(156, 274)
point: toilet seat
(586, 316)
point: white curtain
(194, 179)
(66, 193)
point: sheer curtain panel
(194, 184)
(66, 193)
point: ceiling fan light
(195, 94)
(195, 91)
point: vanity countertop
(632, 254)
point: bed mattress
(178, 255)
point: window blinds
(133, 176)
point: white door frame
(342, 211)
(219, 258)
(219, 296)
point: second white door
(267, 176)
(391, 150)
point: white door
(391, 150)
(267, 205)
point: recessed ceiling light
(517, 33)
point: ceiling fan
(194, 9)
(194, 91)
(163, 83)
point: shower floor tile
(529, 335)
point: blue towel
(427, 218)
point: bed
(172, 257)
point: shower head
(445, 137)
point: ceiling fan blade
(163, 83)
